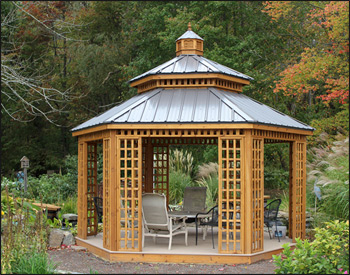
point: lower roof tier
(191, 106)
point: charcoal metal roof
(184, 64)
(208, 105)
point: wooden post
(82, 189)
(247, 185)
(298, 195)
(291, 184)
(114, 202)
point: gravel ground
(86, 262)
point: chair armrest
(202, 213)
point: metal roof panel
(193, 106)
(189, 34)
(191, 64)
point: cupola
(189, 43)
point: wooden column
(258, 195)
(291, 184)
(109, 192)
(248, 187)
(297, 197)
(82, 189)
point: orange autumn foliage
(323, 68)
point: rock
(71, 218)
(68, 238)
(78, 248)
(56, 238)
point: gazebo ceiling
(191, 89)
(208, 105)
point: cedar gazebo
(187, 100)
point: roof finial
(189, 26)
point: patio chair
(156, 222)
(213, 221)
(193, 202)
(99, 208)
(270, 215)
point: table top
(188, 214)
(47, 206)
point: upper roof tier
(189, 69)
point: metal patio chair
(156, 221)
(99, 208)
(213, 221)
(270, 215)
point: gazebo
(187, 100)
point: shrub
(33, 263)
(51, 189)
(177, 183)
(328, 167)
(330, 125)
(70, 205)
(327, 254)
(24, 234)
(208, 177)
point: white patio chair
(156, 222)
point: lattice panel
(161, 170)
(91, 188)
(300, 192)
(106, 192)
(257, 195)
(129, 173)
(231, 195)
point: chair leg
(278, 235)
(196, 230)
(170, 240)
(186, 235)
(268, 229)
(204, 231)
(212, 236)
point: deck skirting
(151, 257)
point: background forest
(64, 62)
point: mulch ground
(68, 260)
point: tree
(27, 88)
(322, 71)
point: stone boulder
(60, 237)
(68, 238)
(56, 238)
